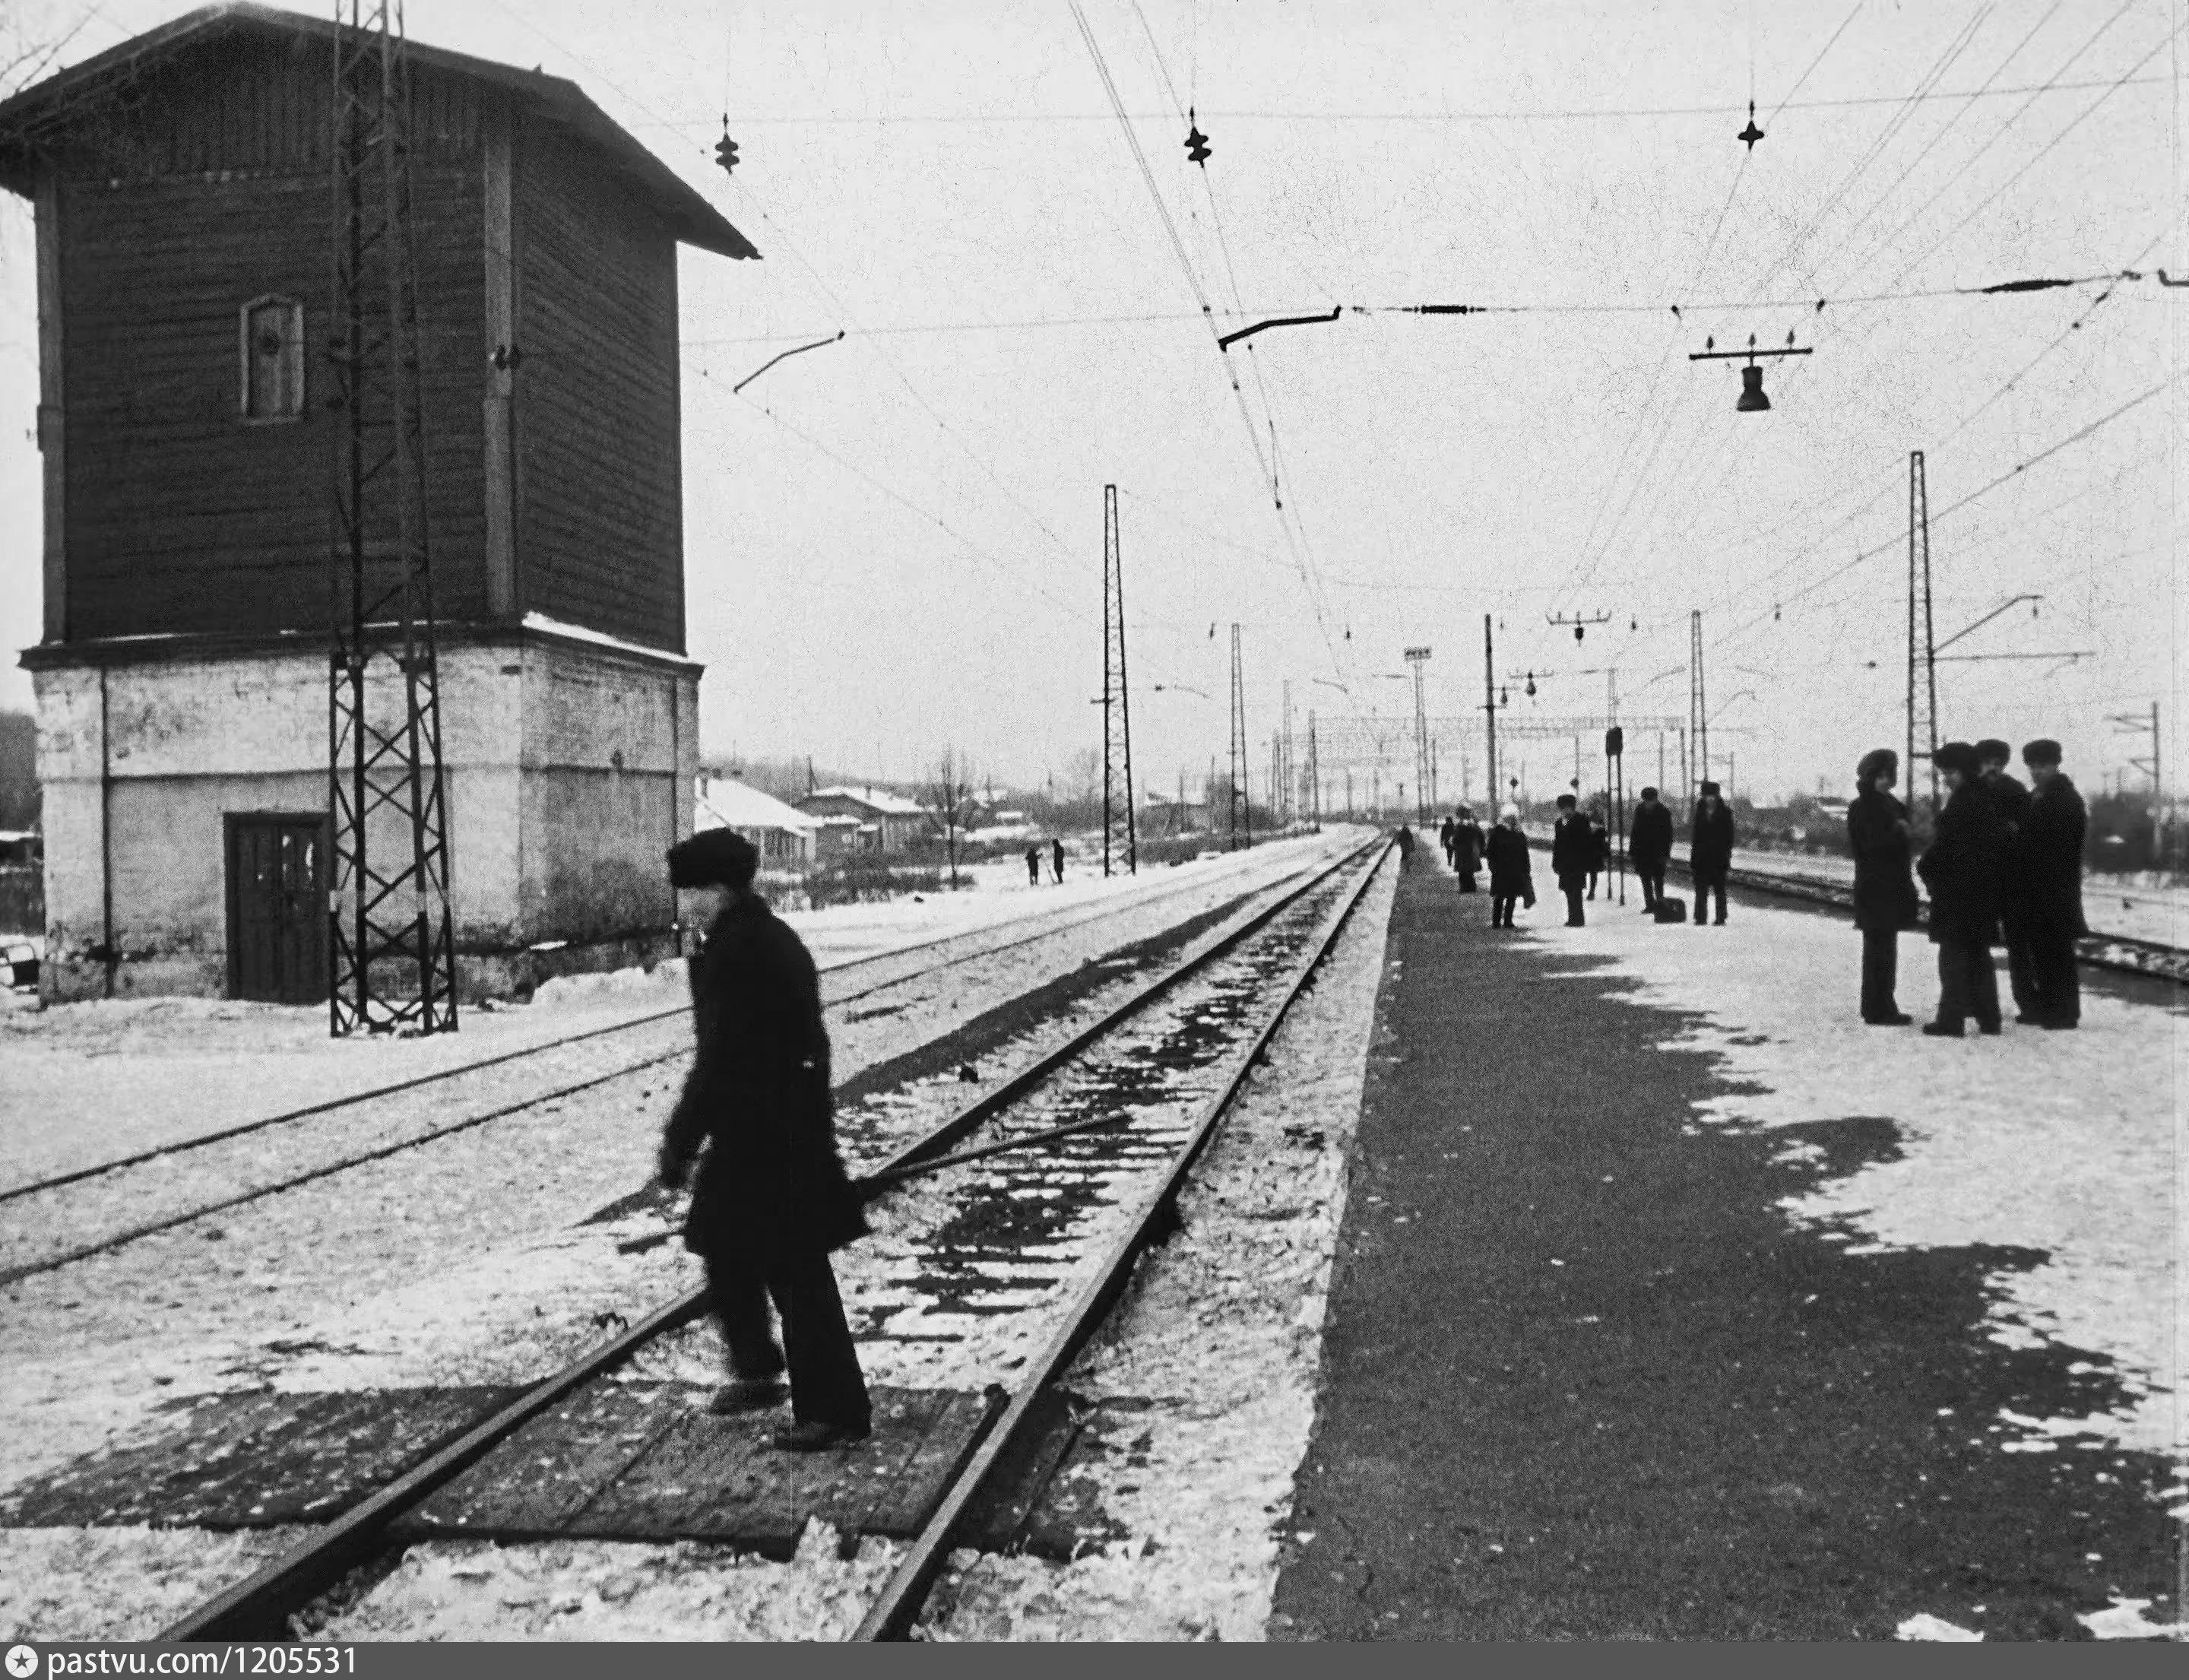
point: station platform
(1672, 1303)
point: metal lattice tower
(391, 947)
(1118, 802)
(1418, 657)
(1697, 714)
(1922, 647)
(1242, 808)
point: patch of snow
(1928, 1626)
(2123, 1619)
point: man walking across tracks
(1649, 844)
(1710, 850)
(1572, 855)
(1467, 847)
(1961, 867)
(2051, 856)
(2010, 801)
(771, 1200)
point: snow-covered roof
(732, 804)
(875, 799)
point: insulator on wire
(1197, 143)
(725, 149)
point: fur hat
(1957, 755)
(1709, 790)
(1649, 792)
(2041, 752)
(1566, 801)
(713, 857)
(1993, 748)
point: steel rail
(183, 1145)
(895, 1609)
(48, 1263)
(259, 1606)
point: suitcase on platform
(1671, 909)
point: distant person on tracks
(1034, 866)
(1710, 849)
(1512, 875)
(1466, 843)
(2011, 801)
(771, 1200)
(1649, 847)
(1962, 867)
(1572, 855)
(1056, 860)
(1885, 900)
(2051, 859)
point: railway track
(1131, 1144)
(669, 1024)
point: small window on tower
(273, 360)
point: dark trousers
(1500, 908)
(1704, 885)
(1466, 880)
(2022, 970)
(1572, 891)
(1593, 876)
(1652, 877)
(1968, 984)
(826, 1386)
(1880, 972)
(2059, 993)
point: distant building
(886, 822)
(185, 210)
(787, 837)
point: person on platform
(2011, 801)
(1649, 845)
(1444, 839)
(770, 1201)
(1405, 839)
(1961, 867)
(1056, 860)
(1599, 854)
(1034, 866)
(1885, 900)
(1710, 850)
(1467, 844)
(1572, 855)
(2050, 857)
(1512, 875)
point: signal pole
(1489, 706)
(1242, 812)
(1698, 717)
(1418, 657)
(1116, 709)
(1922, 649)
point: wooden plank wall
(601, 525)
(210, 192)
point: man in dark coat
(2010, 800)
(1467, 844)
(1512, 876)
(1961, 867)
(1885, 899)
(1444, 839)
(2051, 860)
(1649, 844)
(1599, 853)
(1405, 838)
(1710, 850)
(1057, 859)
(1572, 855)
(1034, 866)
(771, 1200)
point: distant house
(1161, 815)
(787, 837)
(887, 822)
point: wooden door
(277, 908)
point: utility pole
(2134, 723)
(1291, 781)
(392, 962)
(1313, 775)
(1923, 646)
(1242, 813)
(1116, 704)
(1490, 709)
(1418, 657)
(1698, 715)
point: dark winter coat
(1650, 842)
(1710, 840)
(1599, 843)
(1573, 848)
(2050, 858)
(1444, 834)
(1885, 895)
(1467, 844)
(2010, 801)
(772, 1185)
(1962, 867)
(1511, 874)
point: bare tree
(948, 795)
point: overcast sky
(896, 542)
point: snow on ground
(86, 1082)
(2064, 1143)
(460, 1262)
